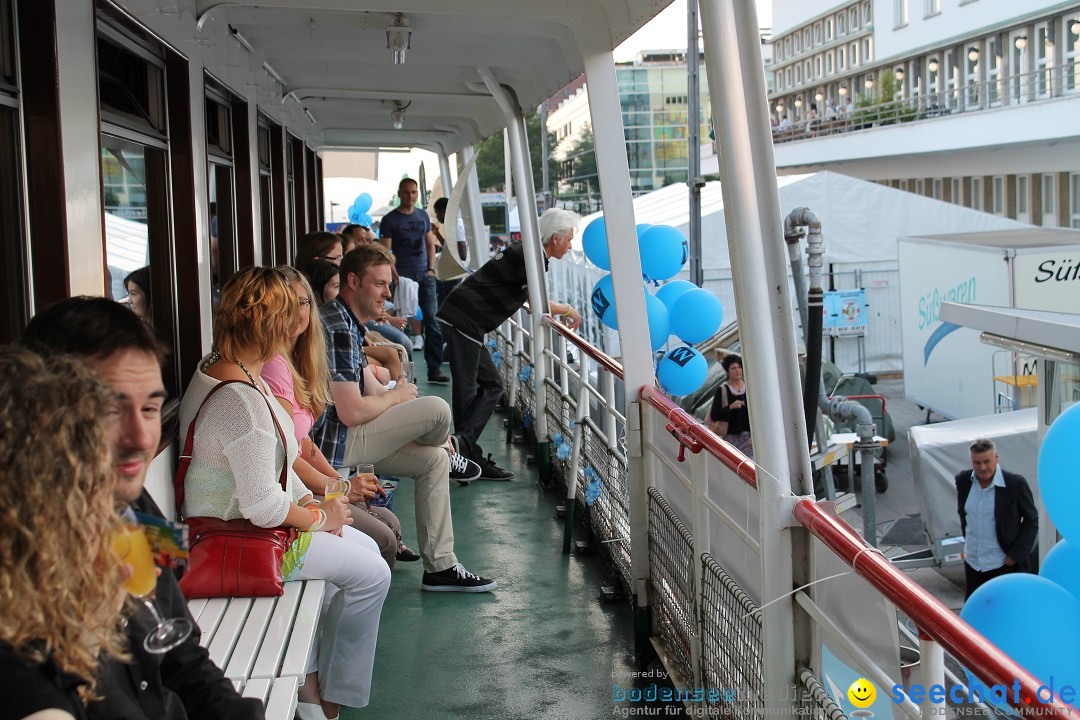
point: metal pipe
(693, 115)
(748, 174)
(810, 309)
(932, 672)
(869, 490)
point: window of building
(868, 49)
(264, 145)
(853, 54)
(853, 19)
(806, 38)
(867, 13)
(841, 24)
(994, 67)
(828, 29)
(798, 73)
(975, 202)
(920, 186)
(972, 96)
(1074, 200)
(817, 34)
(1049, 197)
(1023, 194)
(900, 13)
(997, 195)
(798, 43)
(840, 58)
(1044, 60)
(787, 46)
(933, 7)
(957, 191)
(828, 63)
(937, 189)
(1070, 52)
(817, 66)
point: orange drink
(336, 488)
(134, 549)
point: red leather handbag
(232, 558)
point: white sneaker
(418, 342)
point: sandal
(404, 554)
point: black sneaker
(456, 579)
(437, 377)
(490, 471)
(462, 469)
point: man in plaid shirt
(392, 428)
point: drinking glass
(133, 548)
(337, 487)
(408, 370)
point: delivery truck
(947, 369)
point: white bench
(262, 644)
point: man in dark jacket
(181, 684)
(997, 516)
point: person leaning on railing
(60, 618)
(235, 465)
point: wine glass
(133, 548)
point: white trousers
(357, 582)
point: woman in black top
(728, 416)
(60, 584)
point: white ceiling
(333, 57)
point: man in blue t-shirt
(406, 232)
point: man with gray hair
(479, 305)
(997, 517)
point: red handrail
(609, 363)
(696, 436)
(932, 617)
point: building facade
(970, 101)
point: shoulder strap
(185, 457)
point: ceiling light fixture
(842, 90)
(399, 38)
(869, 83)
(899, 74)
(973, 55)
(1075, 28)
(932, 65)
(819, 96)
(397, 115)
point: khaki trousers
(410, 440)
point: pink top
(278, 376)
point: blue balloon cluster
(1057, 473)
(663, 249)
(358, 211)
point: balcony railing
(1003, 91)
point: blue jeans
(429, 304)
(392, 334)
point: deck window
(16, 296)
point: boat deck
(541, 646)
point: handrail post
(932, 672)
(759, 270)
(575, 461)
(699, 479)
(515, 352)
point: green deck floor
(541, 646)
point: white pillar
(478, 239)
(755, 240)
(614, 173)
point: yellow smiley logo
(862, 693)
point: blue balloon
(1062, 565)
(663, 251)
(362, 202)
(696, 315)
(682, 371)
(594, 243)
(602, 300)
(641, 228)
(1057, 473)
(1029, 618)
(354, 216)
(671, 291)
(659, 322)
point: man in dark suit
(997, 516)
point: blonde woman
(236, 461)
(300, 380)
(60, 618)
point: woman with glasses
(320, 245)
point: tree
(489, 162)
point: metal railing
(703, 544)
(971, 96)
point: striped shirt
(344, 347)
(490, 295)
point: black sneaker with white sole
(490, 471)
(456, 579)
(462, 469)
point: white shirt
(981, 549)
(237, 455)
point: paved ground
(900, 500)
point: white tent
(861, 222)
